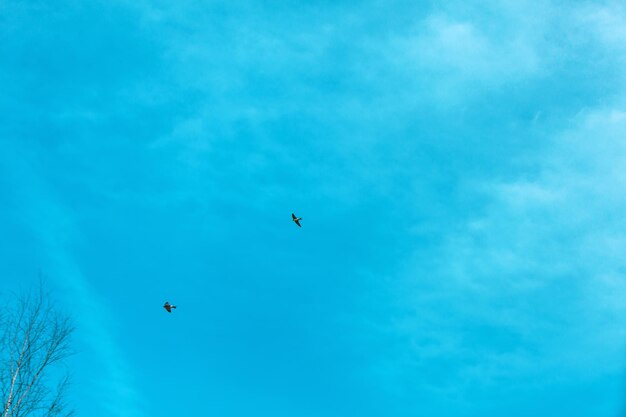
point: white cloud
(447, 47)
(532, 285)
(543, 264)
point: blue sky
(459, 170)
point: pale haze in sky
(459, 168)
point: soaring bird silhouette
(168, 307)
(296, 220)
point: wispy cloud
(525, 289)
(52, 225)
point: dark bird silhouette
(296, 220)
(168, 307)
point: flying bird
(168, 307)
(296, 220)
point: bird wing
(297, 222)
(293, 216)
(168, 308)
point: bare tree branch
(35, 336)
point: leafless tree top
(35, 337)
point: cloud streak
(52, 226)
